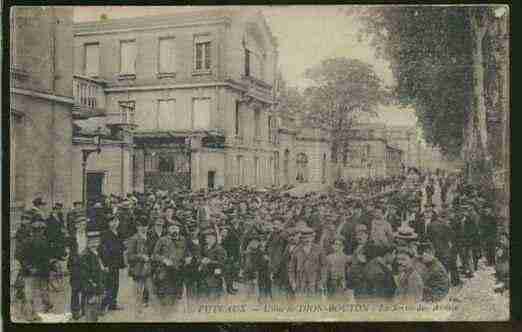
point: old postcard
(271, 163)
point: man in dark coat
(379, 276)
(440, 234)
(111, 253)
(72, 216)
(410, 287)
(360, 257)
(127, 225)
(435, 277)
(276, 245)
(92, 277)
(56, 231)
(489, 234)
(281, 272)
(35, 256)
(230, 242)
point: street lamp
(85, 156)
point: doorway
(94, 187)
(211, 180)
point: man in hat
(127, 226)
(139, 259)
(56, 232)
(212, 261)
(381, 232)
(435, 277)
(380, 284)
(169, 254)
(92, 275)
(72, 215)
(76, 245)
(307, 268)
(488, 227)
(37, 212)
(193, 275)
(23, 234)
(441, 235)
(230, 242)
(360, 258)
(502, 263)
(276, 245)
(35, 257)
(257, 273)
(410, 287)
(111, 253)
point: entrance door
(94, 187)
(211, 179)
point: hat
(306, 231)
(405, 232)
(38, 224)
(426, 246)
(77, 203)
(142, 221)
(58, 205)
(38, 201)
(93, 234)
(361, 228)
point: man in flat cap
(76, 244)
(92, 277)
(169, 255)
(307, 268)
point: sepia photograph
(325, 163)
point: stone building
(189, 100)
(41, 98)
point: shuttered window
(128, 57)
(166, 55)
(202, 53)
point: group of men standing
(181, 246)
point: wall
(109, 161)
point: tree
(439, 58)
(342, 90)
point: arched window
(302, 168)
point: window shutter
(92, 60)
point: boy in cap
(337, 269)
(307, 269)
(138, 257)
(92, 275)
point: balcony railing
(89, 97)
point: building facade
(193, 94)
(41, 100)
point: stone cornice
(43, 95)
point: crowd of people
(390, 242)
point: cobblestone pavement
(475, 300)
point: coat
(379, 279)
(410, 287)
(169, 278)
(307, 270)
(436, 281)
(381, 233)
(127, 226)
(276, 245)
(56, 235)
(212, 275)
(35, 254)
(92, 276)
(73, 261)
(111, 250)
(137, 249)
(441, 235)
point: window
(236, 119)
(92, 60)
(166, 117)
(166, 56)
(127, 112)
(257, 124)
(254, 64)
(201, 113)
(128, 57)
(202, 50)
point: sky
(306, 35)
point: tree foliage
(342, 90)
(433, 55)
